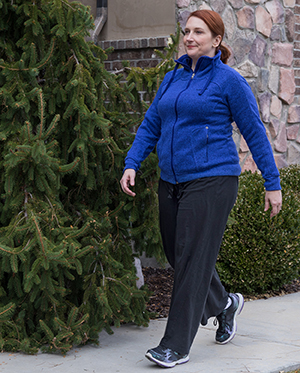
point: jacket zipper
(173, 129)
(206, 129)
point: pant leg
(203, 206)
(168, 206)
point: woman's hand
(273, 198)
(128, 179)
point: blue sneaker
(227, 319)
(165, 357)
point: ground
(160, 282)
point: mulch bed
(160, 283)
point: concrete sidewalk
(267, 341)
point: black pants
(193, 218)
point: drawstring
(170, 81)
(209, 79)
(186, 64)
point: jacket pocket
(200, 141)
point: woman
(190, 122)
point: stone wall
(264, 38)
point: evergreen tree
(66, 229)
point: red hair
(216, 26)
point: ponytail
(225, 53)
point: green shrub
(258, 253)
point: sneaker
(165, 357)
(227, 319)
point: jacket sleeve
(245, 113)
(147, 134)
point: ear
(217, 41)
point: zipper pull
(193, 75)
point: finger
(267, 205)
(132, 180)
(275, 210)
(125, 181)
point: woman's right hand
(128, 179)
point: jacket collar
(202, 63)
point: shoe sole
(166, 365)
(237, 312)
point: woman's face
(198, 40)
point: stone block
(249, 164)
(242, 157)
(183, 3)
(128, 44)
(236, 4)
(231, 60)
(253, 1)
(293, 153)
(248, 70)
(290, 25)
(292, 132)
(289, 3)
(204, 6)
(276, 33)
(218, 5)
(117, 65)
(105, 44)
(147, 63)
(257, 52)
(263, 80)
(241, 48)
(282, 54)
(263, 21)
(182, 18)
(294, 114)
(107, 66)
(144, 43)
(276, 10)
(264, 102)
(274, 79)
(152, 42)
(162, 42)
(280, 143)
(245, 17)
(280, 160)
(148, 53)
(243, 146)
(269, 135)
(113, 56)
(274, 127)
(121, 44)
(287, 85)
(276, 107)
(131, 55)
(229, 22)
(114, 44)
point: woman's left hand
(273, 198)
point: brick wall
(297, 48)
(139, 52)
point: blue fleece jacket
(190, 122)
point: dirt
(160, 283)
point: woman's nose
(189, 36)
